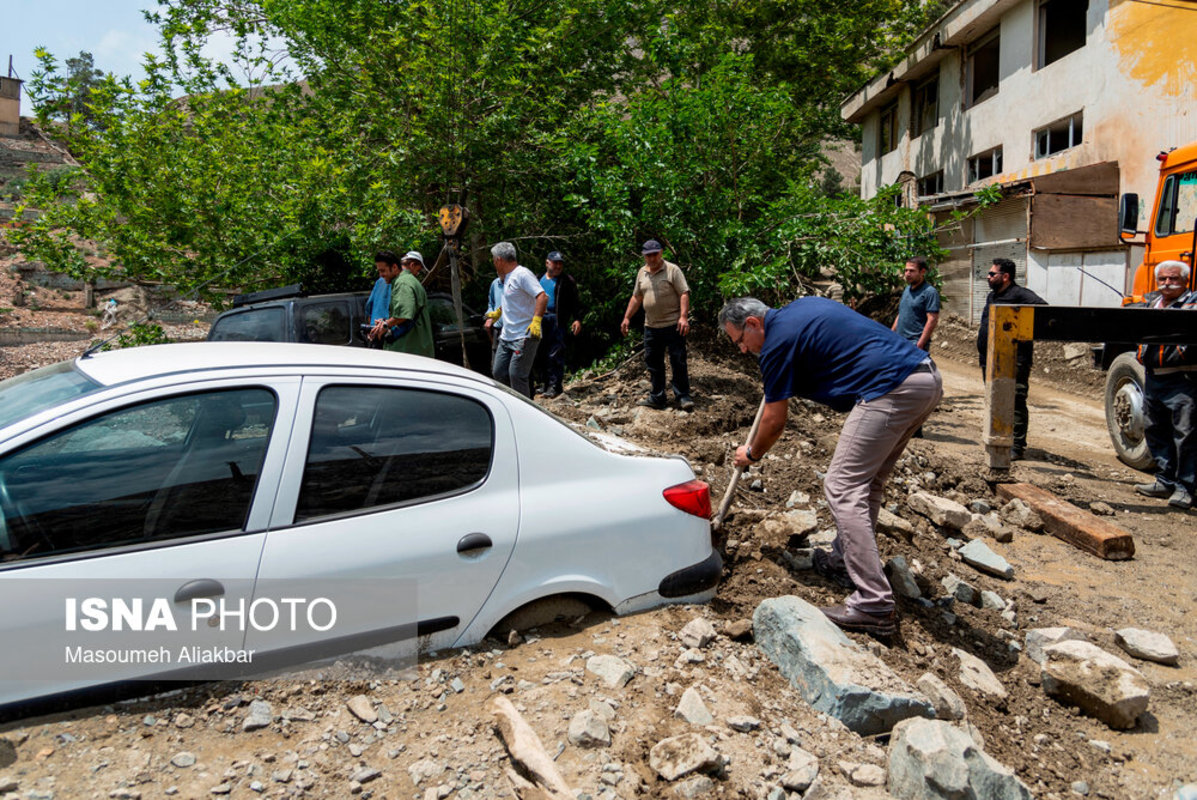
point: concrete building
(1065, 104)
(10, 106)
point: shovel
(717, 522)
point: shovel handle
(717, 522)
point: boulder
(697, 633)
(901, 578)
(948, 705)
(1100, 684)
(940, 510)
(977, 554)
(934, 760)
(831, 672)
(1040, 638)
(613, 671)
(976, 674)
(1148, 646)
(679, 756)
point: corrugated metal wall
(1004, 224)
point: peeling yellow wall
(1154, 43)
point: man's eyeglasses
(737, 341)
(994, 274)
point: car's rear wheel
(545, 611)
(1124, 411)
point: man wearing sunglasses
(1170, 397)
(1004, 291)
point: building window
(982, 69)
(931, 184)
(985, 165)
(1062, 26)
(887, 134)
(925, 107)
(1059, 136)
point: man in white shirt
(524, 304)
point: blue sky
(113, 31)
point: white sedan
(216, 509)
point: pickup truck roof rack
(282, 292)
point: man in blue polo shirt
(819, 349)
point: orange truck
(1171, 235)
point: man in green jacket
(409, 328)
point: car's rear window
(39, 389)
(254, 325)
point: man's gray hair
(1184, 268)
(738, 310)
(504, 251)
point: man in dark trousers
(562, 291)
(825, 351)
(1004, 291)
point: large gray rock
(831, 672)
(678, 756)
(948, 704)
(976, 674)
(940, 510)
(901, 578)
(977, 554)
(1148, 645)
(611, 670)
(1040, 638)
(933, 760)
(1100, 684)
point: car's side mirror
(1128, 214)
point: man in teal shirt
(409, 325)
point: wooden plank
(1072, 222)
(1095, 179)
(1065, 521)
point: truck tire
(1124, 411)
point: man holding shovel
(822, 350)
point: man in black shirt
(1004, 291)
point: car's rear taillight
(693, 497)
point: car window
(40, 389)
(160, 470)
(254, 325)
(377, 446)
(324, 323)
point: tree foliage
(340, 126)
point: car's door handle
(204, 587)
(472, 542)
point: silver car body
(559, 514)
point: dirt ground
(439, 732)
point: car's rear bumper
(694, 579)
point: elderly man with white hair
(1170, 396)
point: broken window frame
(931, 184)
(985, 164)
(991, 39)
(887, 120)
(1058, 136)
(920, 105)
(1064, 34)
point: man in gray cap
(562, 292)
(662, 290)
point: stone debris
(743, 724)
(862, 774)
(976, 674)
(987, 525)
(801, 770)
(679, 756)
(891, 524)
(588, 729)
(739, 630)
(698, 633)
(692, 709)
(902, 579)
(962, 590)
(183, 760)
(1040, 638)
(798, 498)
(934, 760)
(948, 705)
(1099, 683)
(1021, 515)
(261, 714)
(361, 707)
(940, 510)
(977, 554)
(613, 671)
(831, 672)
(992, 600)
(424, 770)
(698, 786)
(365, 775)
(1148, 646)
(1102, 509)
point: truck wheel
(1124, 411)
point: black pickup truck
(288, 314)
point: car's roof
(136, 363)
